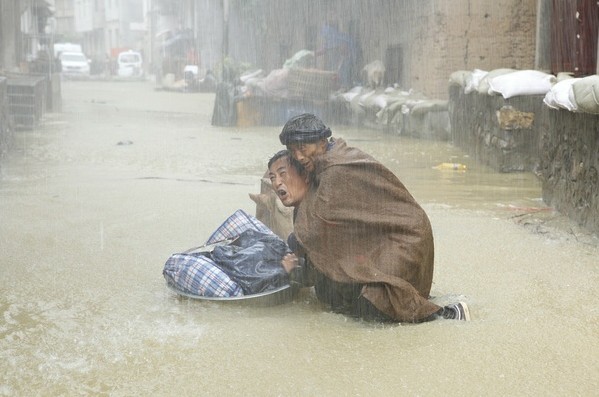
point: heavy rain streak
(131, 130)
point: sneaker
(457, 311)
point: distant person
(339, 51)
(208, 83)
(368, 240)
(106, 69)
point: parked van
(74, 64)
(130, 64)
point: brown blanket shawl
(359, 224)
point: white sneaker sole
(466, 311)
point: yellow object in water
(450, 166)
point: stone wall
(522, 134)
(502, 133)
(569, 164)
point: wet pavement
(94, 202)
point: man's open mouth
(282, 193)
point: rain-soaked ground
(94, 202)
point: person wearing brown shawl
(368, 240)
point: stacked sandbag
(427, 118)
(522, 82)
(473, 79)
(579, 94)
(385, 108)
(459, 77)
(586, 94)
(506, 82)
(561, 95)
(484, 85)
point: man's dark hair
(292, 162)
(305, 128)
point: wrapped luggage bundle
(242, 257)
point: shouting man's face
(288, 184)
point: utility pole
(225, 29)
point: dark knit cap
(305, 128)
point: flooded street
(94, 201)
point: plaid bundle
(236, 224)
(198, 275)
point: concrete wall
(522, 134)
(10, 37)
(210, 32)
(6, 130)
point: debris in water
(450, 166)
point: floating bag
(253, 261)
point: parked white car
(74, 64)
(66, 47)
(130, 64)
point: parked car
(66, 47)
(130, 64)
(74, 64)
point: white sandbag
(371, 101)
(459, 77)
(348, 96)
(522, 82)
(564, 76)
(483, 85)
(351, 94)
(560, 95)
(432, 105)
(549, 100)
(380, 101)
(473, 80)
(365, 99)
(586, 94)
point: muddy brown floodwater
(94, 201)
